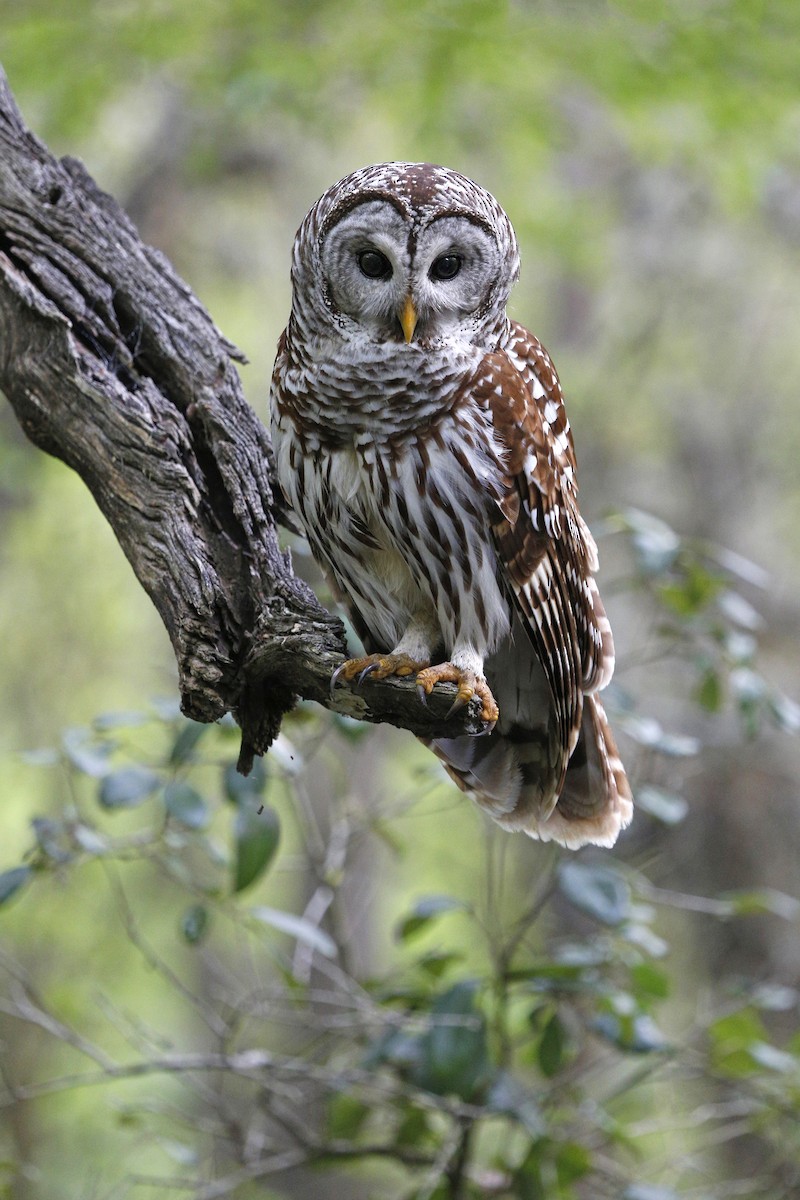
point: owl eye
(374, 265)
(446, 267)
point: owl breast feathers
(421, 437)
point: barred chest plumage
(395, 485)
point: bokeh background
(648, 153)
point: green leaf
(414, 1128)
(187, 737)
(709, 692)
(528, 1177)
(664, 806)
(194, 923)
(186, 805)
(299, 928)
(650, 982)
(546, 975)
(693, 592)
(346, 1115)
(435, 965)
(256, 837)
(733, 1038)
(423, 912)
(573, 1162)
(128, 787)
(11, 881)
(552, 1046)
(738, 1028)
(453, 1053)
(597, 890)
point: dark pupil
(374, 264)
(446, 267)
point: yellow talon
(381, 666)
(375, 666)
(469, 685)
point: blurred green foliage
(504, 1039)
(679, 76)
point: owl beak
(408, 318)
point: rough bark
(112, 365)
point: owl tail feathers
(515, 778)
(595, 802)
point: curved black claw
(459, 702)
(335, 677)
(368, 670)
(487, 729)
(423, 695)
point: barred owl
(420, 436)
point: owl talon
(459, 702)
(375, 666)
(370, 669)
(335, 677)
(469, 685)
(423, 695)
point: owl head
(404, 255)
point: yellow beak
(408, 318)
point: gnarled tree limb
(112, 365)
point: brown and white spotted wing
(571, 784)
(544, 479)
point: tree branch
(112, 365)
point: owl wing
(547, 554)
